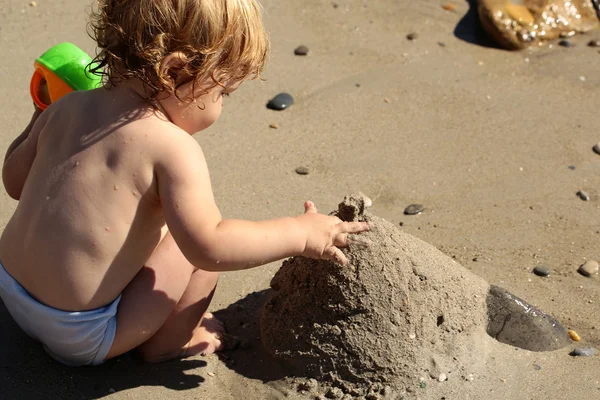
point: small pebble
(211, 374)
(441, 44)
(582, 78)
(536, 367)
(302, 171)
(589, 268)
(366, 199)
(449, 7)
(584, 352)
(583, 195)
(596, 148)
(301, 50)
(541, 271)
(280, 102)
(412, 36)
(594, 43)
(574, 335)
(572, 167)
(33, 4)
(565, 43)
(414, 209)
(442, 378)
(273, 126)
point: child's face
(202, 112)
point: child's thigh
(151, 296)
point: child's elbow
(13, 190)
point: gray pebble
(565, 43)
(414, 209)
(441, 44)
(412, 36)
(572, 167)
(301, 50)
(589, 268)
(584, 352)
(280, 102)
(583, 195)
(302, 171)
(541, 271)
(366, 199)
(536, 367)
(594, 43)
(596, 148)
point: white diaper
(72, 338)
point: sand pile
(401, 311)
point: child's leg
(161, 310)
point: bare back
(89, 215)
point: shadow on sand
(242, 320)
(26, 372)
(470, 30)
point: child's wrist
(300, 235)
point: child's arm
(211, 243)
(19, 158)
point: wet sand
(482, 137)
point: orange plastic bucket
(56, 86)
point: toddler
(117, 243)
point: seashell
(574, 335)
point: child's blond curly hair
(221, 41)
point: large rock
(520, 24)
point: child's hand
(326, 234)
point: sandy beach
(494, 144)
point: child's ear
(172, 67)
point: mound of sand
(401, 310)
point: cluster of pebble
(590, 268)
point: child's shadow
(249, 359)
(26, 372)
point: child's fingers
(309, 207)
(352, 227)
(335, 254)
(345, 240)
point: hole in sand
(440, 320)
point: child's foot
(207, 338)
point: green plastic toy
(61, 70)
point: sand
(400, 311)
(483, 138)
